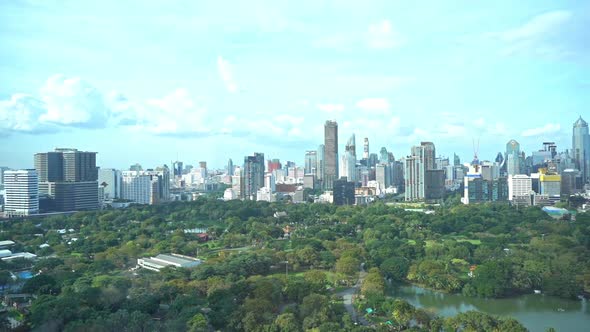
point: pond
(535, 311)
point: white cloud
(543, 35)
(546, 129)
(74, 102)
(330, 108)
(21, 114)
(376, 106)
(382, 35)
(225, 71)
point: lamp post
(286, 269)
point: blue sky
(147, 81)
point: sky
(153, 81)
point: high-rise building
(414, 172)
(110, 179)
(177, 168)
(252, 176)
(429, 155)
(330, 153)
(274, 165)
(137, 167)
(321, 162)
(68, 177)
(571, 182)
(434, 184)
(351, 146)
(2, 170)
(230, 167)
(366, 148)
(519, 185)
(383, 175)
(456, 160)
(343, 192)
(581, 148)
(311, 161)
(146, 187)
(22, 192)
(513, 158)
(383, 155)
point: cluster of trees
(88, 284)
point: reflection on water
(536, 312)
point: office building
(177, 168)
(434, 185)
(383, 175)
(343, 192)
(519, 185)
(581, 148)
(571, 182)
(110, 179)
(2, 170)
(230, 167)
(478, 189)
(414, 172)
(513, 158)
(549, 183)
(22, 192)
(429, 155)
(252, 176)
(366, 149)
(330, 154)
(320, 168)
(68, 178)
(146, 187)
(311, 161)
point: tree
(395, 268)
(402, 312)
(287, 322)
(198, 323)
(373, 284)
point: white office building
(22, 192)
(110, 179)
(519, 185)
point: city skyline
(196, 82)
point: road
(348, 295)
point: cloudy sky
(152, 80)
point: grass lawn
(472, 241)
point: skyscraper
(69, 177)
(581, 148)
(311, 161)
(22, 192)
(320, 168)
(383, 155)
(330, 153)
(366, 149)
(230, 167)
(177, 168)
(513, 157)
(343, 192)
(252, 176)
(111, 178)
(414, 171)
(429, 155)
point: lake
(536, 312)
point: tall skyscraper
(414, 172)
(581, 148)
(252, 176)
(311, 161)
(513, 157)
(366, 149)
(429, 155)
(330, 153)
(321, 162)
(383, 155)
(230, 167)
(177, 168)
(22, 192)
(351, 146)
(69, 177)
(343, 192)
